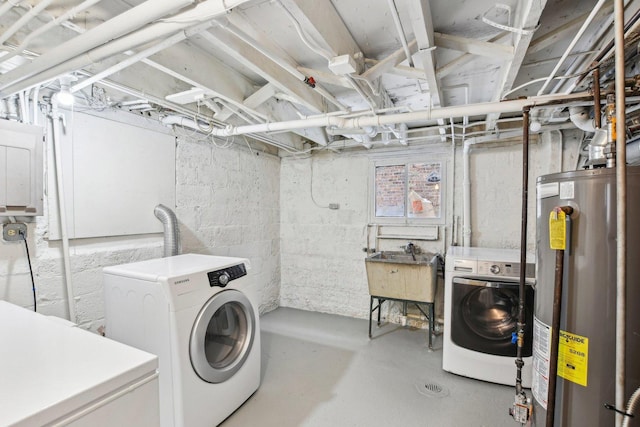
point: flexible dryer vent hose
(171, 230)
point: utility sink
(397, 275)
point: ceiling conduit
(202, 12)
(118, 26)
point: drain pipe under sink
(171, 230)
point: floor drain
(432, 389)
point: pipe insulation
(172, 244)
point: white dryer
(199, 314)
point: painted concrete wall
(322, 259)
(227, 204)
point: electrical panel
(21, 148)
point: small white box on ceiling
(20, 169)
(343, 64)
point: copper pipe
(596, 98)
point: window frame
(405, 161)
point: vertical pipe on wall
(62, 215)
(523, 250)
(621, 208)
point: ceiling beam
(475, 47)
(324, 25)
(527, 16)
(387, 64)
(423, 30)
(258, 63)
(454, 65)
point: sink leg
(379, 309)
(431, 325)
(370, 314)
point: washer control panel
(504, 269)
(223, 276)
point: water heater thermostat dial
(495, 269)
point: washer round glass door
(484, 314)
(222, 336)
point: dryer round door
(222, 336)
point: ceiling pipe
(28, 16)
(118, 26)
(511, 106)
(46, 27)
(398, 24)
(202, 12)
(577, 37)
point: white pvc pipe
(390, 119)
(621, 211)
(28, 16)
(575, 40)
(400, 30)
(46, 27)
(466, 179)
(118, 26)
(176, 38)
(204, 11)
(62, 212)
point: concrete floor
(322, 370)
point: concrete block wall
(228, 204)
(322, 258)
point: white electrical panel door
(20, 169)
(115, 173)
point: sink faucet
(411, 249)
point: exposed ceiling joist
(528, 16)
(475, 47)
(260, 64)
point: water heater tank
(586, 368)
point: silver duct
(171, 230)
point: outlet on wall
(11, 231)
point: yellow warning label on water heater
(557, 229)
(573, 358)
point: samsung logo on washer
(179, 282)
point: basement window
(408, 192)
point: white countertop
(48, 368)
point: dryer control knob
(223, 279)
(495, 269)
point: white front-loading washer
(481, 304)
(199, 315)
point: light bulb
(65, 97)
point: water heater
(586, 352)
